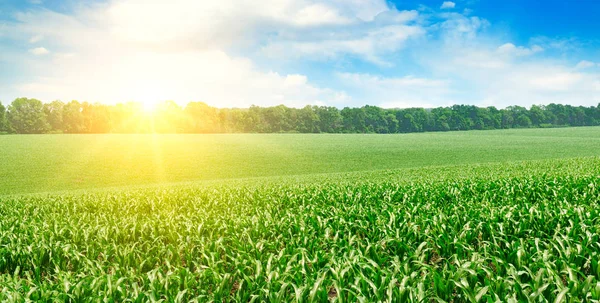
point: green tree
(391, 121)
(440, 117)
(330, 119)
(523, 121)
(376, 120)
(201, 118)
(168, 118)
(354, 120)
(96, 118)
(277, 117)
(308, 120)
(73, 118)
(537, 115)
(495, 118)
(412, 120)
(507, 119)
(3, 122)
(54, 115)
(558, 113)
(254, 120)
(233, 120)
(26, 116)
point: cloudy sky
(234, 53)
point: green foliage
(3, 120)
(73, 120)
(198, 117)
(54, 114)
(520, 232)
(26, 116)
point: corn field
(527, 232)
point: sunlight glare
(149, 94)
(149, 106)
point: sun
(148, 94)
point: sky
(237, 53)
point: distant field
(41, 163)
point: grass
(42, 163)
(499, 216)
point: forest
(31, 116)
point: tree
(330, 119)
(408, 123)
(391, 121)
(354, 120)
(168, 118)
(523, 121)
(495, 118)
(520, 116)
(507, 119)
(277, 118)
(96, 118)
(254, 121)
(481, 118)
(3, 122)
(413, 120)
(559, 114)
(73, 118)
(308, 120)
(376, 120)
(460, 118)
(577, 116)
(234, 120)
(54, 114)
(31, 116)
(440, 116)
(201, 118)
(26, 116)
(537, 115)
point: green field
(41, 163)
(480, 216)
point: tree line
(31, 116)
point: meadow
(46, 163)
(480, 216)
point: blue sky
(234, 53)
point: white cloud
(39, 51)
(511, 49)
(583, 64)
(210, 76)
(199, 50)
(36, 38)
(403, 82)
(319, 13)
(560, 44)
(448, 4)
(399, 92)
(193, 24)
(484, 78)
(484, 74)
(154, 50)
(369, 45)
(486, 81)
(457, 30)
(388, 32)
(207, 23)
